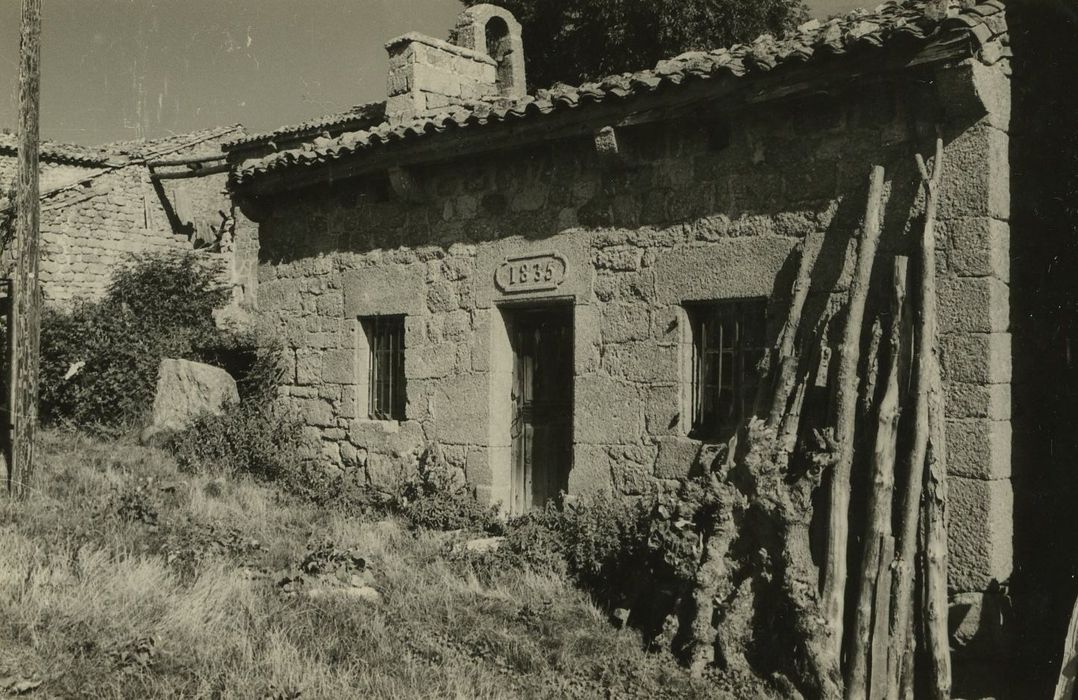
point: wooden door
(542, 405)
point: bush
(632, 553)
(247, 438)
(345, 492)
(255, 437)
(99, 360)
(437, 498)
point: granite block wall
(705, 208)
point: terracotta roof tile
(358, 117)
(60, 153)
(981, 21)
(146, 148)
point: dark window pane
(385, 337)
(728, 342)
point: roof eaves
(923, 22)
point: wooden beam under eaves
(195, 172)
(405, 185)
(608, 148)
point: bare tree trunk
(883, 484)
(835, 574)
(710, 575)
(936, 632)
(25, 326)
(1067, 684)
(872, 369)
(926, 367)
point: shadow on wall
(680, 175)
(1044, 266)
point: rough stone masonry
(102, 207)
(694, 194)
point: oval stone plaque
(531, 273)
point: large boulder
(186, 391)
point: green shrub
(255, 437)
(341, 491)
(248, 438)
(99, 359)
(632, 553)
(531, 542)
(436, 498)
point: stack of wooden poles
(879, 632)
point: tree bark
(926, 364)
(710, 575)
(879, 667)
(835, 573)
(25, 327)
(936, 633)
(872, 369)
(1067, 684)
(883, 483)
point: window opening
(727, 344)
(385, 337)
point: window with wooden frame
(728, 340)
(385, 367)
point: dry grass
(92, 604)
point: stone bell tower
(484, 60)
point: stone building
(101, 206)
(568, 290)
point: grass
(122, 577)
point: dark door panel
(542, 404)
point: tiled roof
(147, 148)
(117, 153)
(918, 21)
(60, 153)
(358, 117)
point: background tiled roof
(60, 153)
(119, 152)
(358, 117)
(980, 22)
(203, 140)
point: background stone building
(102, 206)
(567, 290)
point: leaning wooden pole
(835, 573)
(906, 545)
(880, 498)
(788, 358)
(25, 327)
(935, 614)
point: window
(727, 344)
(385, 369)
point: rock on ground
(185, 391)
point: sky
(114, 70)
